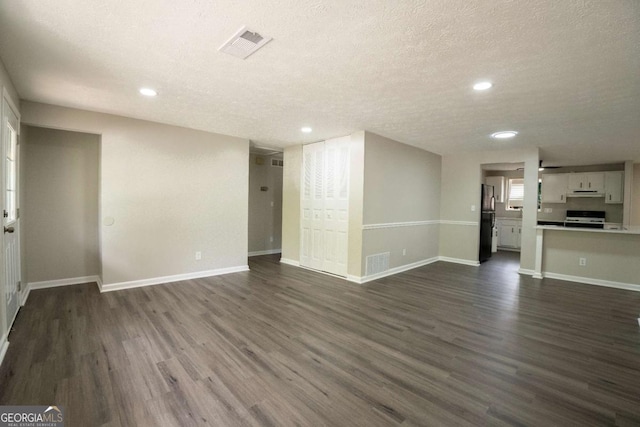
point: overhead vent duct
(244, 43)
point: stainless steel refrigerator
(487, 221)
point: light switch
(473, 208)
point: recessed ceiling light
(146, 91)
(504, 134)
(306, 129)
(482, 86)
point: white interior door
(336, 205)
(10, 218)
(312, 205)
(324, 206)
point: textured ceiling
(566, 73)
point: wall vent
(377, 263)
(244, 43)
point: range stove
(585, 219)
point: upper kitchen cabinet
(498, 187)
(554, 188)
(614, 187)
(587, 182)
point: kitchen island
(589, 255)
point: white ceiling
(566, 72)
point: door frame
(8, 101)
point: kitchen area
(587, 230)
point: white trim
(63, 282)
(25, 295)
(527, 272)
(290, 262)
(447, 222)
(4, 346)
(12, 105)
(459, 261)
(267, 252)
(400, 224)
(506, 249)
(591, 281)
(169, 279)
(391, 271)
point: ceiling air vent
(244, 43)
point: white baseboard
(592, 281)
(391, 271)
(267, 252)
(169, 279)
(459, 261)
(63, 282)
(4, 346)
(290, 262)
(25, 295)
(527, 272)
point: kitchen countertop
(628, 230)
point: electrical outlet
(404, 252)
(548, 210)
(272, 204)
(271, 239)
(583, 262)
(638, 321)
(198, 256)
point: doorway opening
(506, 181)
(266, 167)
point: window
(516, 194)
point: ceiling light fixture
(146, 91)
(482, 85)
(505, 134)
(306, 129)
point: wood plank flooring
(444, 344)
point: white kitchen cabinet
(498, 187)
(614, 187)
(587, 181)
(509, 234)
(554, 188)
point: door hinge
(5, 213)
(19, 285)
(17, 213)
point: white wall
(60, 204)
(265, 207)
(401, 187)
(170, 191)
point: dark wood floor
(440, 345)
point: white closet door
(336, 205)
(324, 206)
(312, 204)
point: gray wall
(265, 220)
(60, 204)
(170, 192)
(610, 257)
(401, 185)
